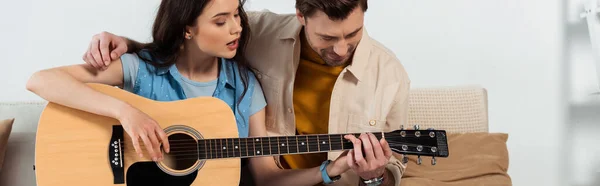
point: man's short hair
(334, 9)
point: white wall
(584, 100)
(511, 47)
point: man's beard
(336, 63)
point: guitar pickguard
(148, 173)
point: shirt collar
(226, 72)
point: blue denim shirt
(163, 84)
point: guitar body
(74, 147)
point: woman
(197, 50)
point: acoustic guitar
(78, 148)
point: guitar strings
(215, 155)
(271, 143)
(215, 152)
(197, 156)
(378, 135)
(269, 140)
(194, 145)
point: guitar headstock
(418, 142)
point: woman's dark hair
(168, 33)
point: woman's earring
(189, 37)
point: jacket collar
(359, 58)
(291, 30)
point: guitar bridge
(115, 154)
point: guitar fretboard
(266, 146)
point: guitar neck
(277, 145)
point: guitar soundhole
(183, 152)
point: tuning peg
(404, 159)
(416, 127)
(433, 161)
(419, 160)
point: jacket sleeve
(397, 116)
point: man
(321, 73)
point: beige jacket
(370, 95)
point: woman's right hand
(139, 125)
(104, 48)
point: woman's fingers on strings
(136, 145)
(164, 139)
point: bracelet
(373, 182)
(326, 179)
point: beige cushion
(456, 109)
(5, 129)
(474, 159)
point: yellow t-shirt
(312, 93)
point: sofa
(460, 109)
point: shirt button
(290, 110)
(372, 122)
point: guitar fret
(273, 145)
(312, 143)
(253, 147)
(247, 149)
(278, 147)
(266, 147)
(335, 142)
(269, 142)
(286, 145)
(215, 148)
(302, 143)
(210, 148)
(231, 147)
(318, 146)
(262, 147)
(329, 139)
(287, 141)
(200, 148)
(206, 148)
(236, 147)
(283, 145)
(225, 148)
(241, 147)
(220, 147)
(297, 148)
(258, 151)
(342, 141)
(210, 152)
(323, 143)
